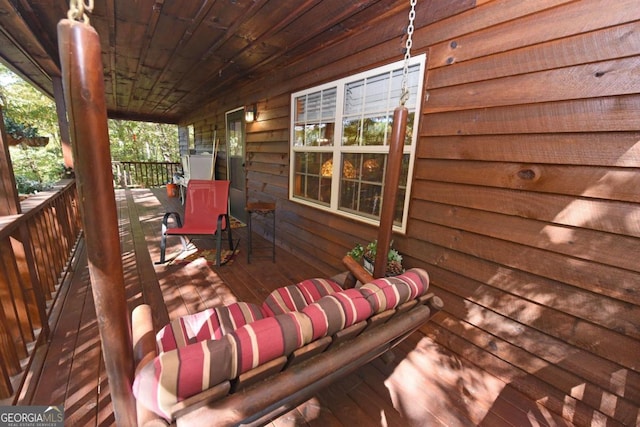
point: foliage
(29, 111)
(27, 107)
(29, 186)
(368, 253)
(357, 252)
(141, 141)
(42, 166)
(19, 130)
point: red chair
(206, 212)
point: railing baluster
(8, 351)
(35, 248)
(9, 301)
(25, 262)
(144, 174)
(16, 288)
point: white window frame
(337, 149)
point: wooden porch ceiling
(162, 59)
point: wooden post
(390, 195)
(83, 83)
(63, 124)
(9, 199)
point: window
(340, 136)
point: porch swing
(198, 371)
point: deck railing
(36, 249)
(143, 174)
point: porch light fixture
(250, 113)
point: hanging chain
(77, 10)
(404, 95)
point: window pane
(314, 105)
(376, 129)
(235, 138)
(361, 186)
(413, 81)
(300, 167)
(325, 190)
(377, 94)
(351, 131)
(404, 172)
(361, 183)
(313, 176)
(396, 88)
(353, 97)
(348, 195)
(409, 135)
(370, 200)
(315, 118)
(373, 167)
(300, 116)
(299, 136)
(325, 134)
(329, 104)
(409, 132)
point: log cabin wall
(524, 208)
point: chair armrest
(165, 220)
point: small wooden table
(265, 209)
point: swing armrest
(144, 351)
(356, 273)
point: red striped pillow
(178, 374)
(389, 292)
(264, 340)
(212, 323)
(337, 311)
(298, 296)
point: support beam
(390, 195)
(9, 198)
(63, 124)
(83, 83)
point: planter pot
(368, 265)
(39, 141)
(13, 141)
(172, 190)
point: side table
(264, 209)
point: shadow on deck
(424, 385)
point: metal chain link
(404, 94)
(77, 10)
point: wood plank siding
(525, 202)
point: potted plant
(367, 256)
(19, 133)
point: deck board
(427, 384)
(55, 374)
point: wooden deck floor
(426, 385)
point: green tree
(141, 141)
(37, 168)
